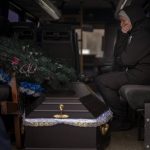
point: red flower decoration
(15, 61)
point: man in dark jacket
(132, 61)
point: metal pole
(81, 46)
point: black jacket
(135, 58)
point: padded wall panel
(59, 42)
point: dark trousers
(108, 85)
(4, 139)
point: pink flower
(15, 61)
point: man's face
(125, 24)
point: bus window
(13, 16)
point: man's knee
(102, 81)
(112, 80)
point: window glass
(13, 16)
(28, 20)
(92, 42)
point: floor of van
(126, 140)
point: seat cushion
(136, 95)
(5, 92)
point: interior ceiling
(87, 4)
(65, 6)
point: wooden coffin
(86, 127)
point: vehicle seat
(137, 96)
